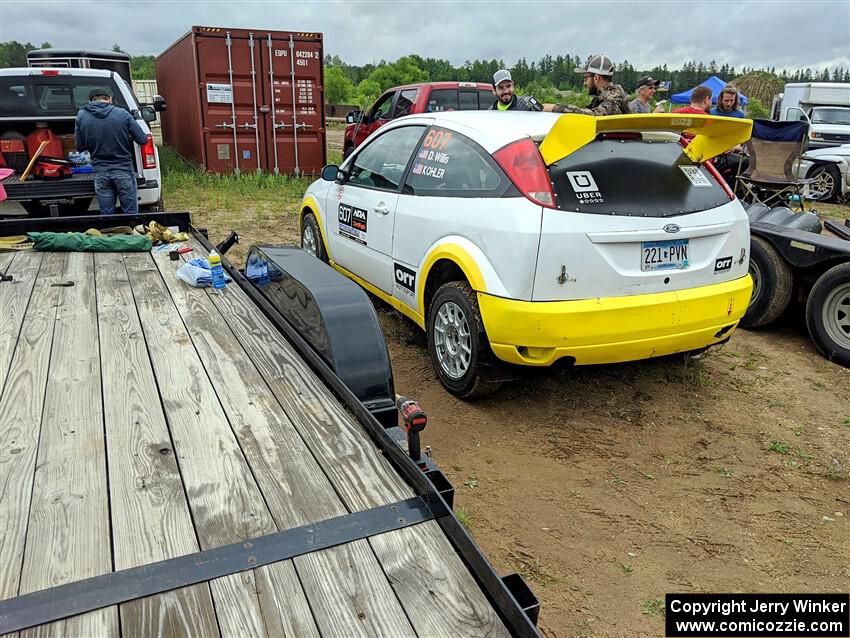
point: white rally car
(532, 237)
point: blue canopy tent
(715, 84)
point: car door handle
(382, 209)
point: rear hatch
(634, 215)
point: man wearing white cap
(608, 98)
(506, 100)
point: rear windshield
(45, 95)
(633, 177)
(459, 100)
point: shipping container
(245, 100)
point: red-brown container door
(294, 93)
(234, 130)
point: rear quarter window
(448, 164)
(640, 178)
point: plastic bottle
(216, 271)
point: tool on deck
(413, 421)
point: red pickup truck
(428, 97)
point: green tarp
(80, 242)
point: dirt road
(609, 486)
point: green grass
(780, 447)
(260, 207)
(465, 517)
(653, 606)
(725, 472)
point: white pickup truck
(33, 96)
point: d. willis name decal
(353, 223)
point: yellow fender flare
(461, 258)
(309, 203)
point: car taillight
(50, 72)
(522, 163)
(717, 176)
(149, 154)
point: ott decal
(695, 175)
(722, 264)
(405, 279)
(353, 223)
(586, 190)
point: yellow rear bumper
(613, 329)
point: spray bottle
(216, 271)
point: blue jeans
(119, 184)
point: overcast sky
(784, 34)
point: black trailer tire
(828, 314)
(347, 152)
(457, 342)
(773, 284)
(828, 184)
(311, 237)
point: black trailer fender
(802, 249)
(334, 316)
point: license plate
(664, 255)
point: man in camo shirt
(608, 98)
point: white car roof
(491, 129)
(27, 71)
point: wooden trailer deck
(142, 420)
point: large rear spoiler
(713, 135)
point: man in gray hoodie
(107, 132)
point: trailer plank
(293, 484)
(437, 591)
(21, 407)
(150, 515)
(361, 477)
(224, 498)
(14, 298)
(70, 496)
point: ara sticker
(695, 175)
(586, 190)
(352, 223)
(405, 279)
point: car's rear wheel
(826, 186)
(772, 284)
(828, 314)
(457, 341)
(311, 238)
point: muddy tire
(311, 238)
(773, 284)
(457, 342)
(828, 314)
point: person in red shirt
(700, 102)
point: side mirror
(354, 117)
(148, 113)
(158, 104)
(331, 172)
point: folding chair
(769, 178)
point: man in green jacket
(608, 98)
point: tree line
(549, 79)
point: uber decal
(352, 223)
(405, 278)
(722, 264)
(586, 190)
